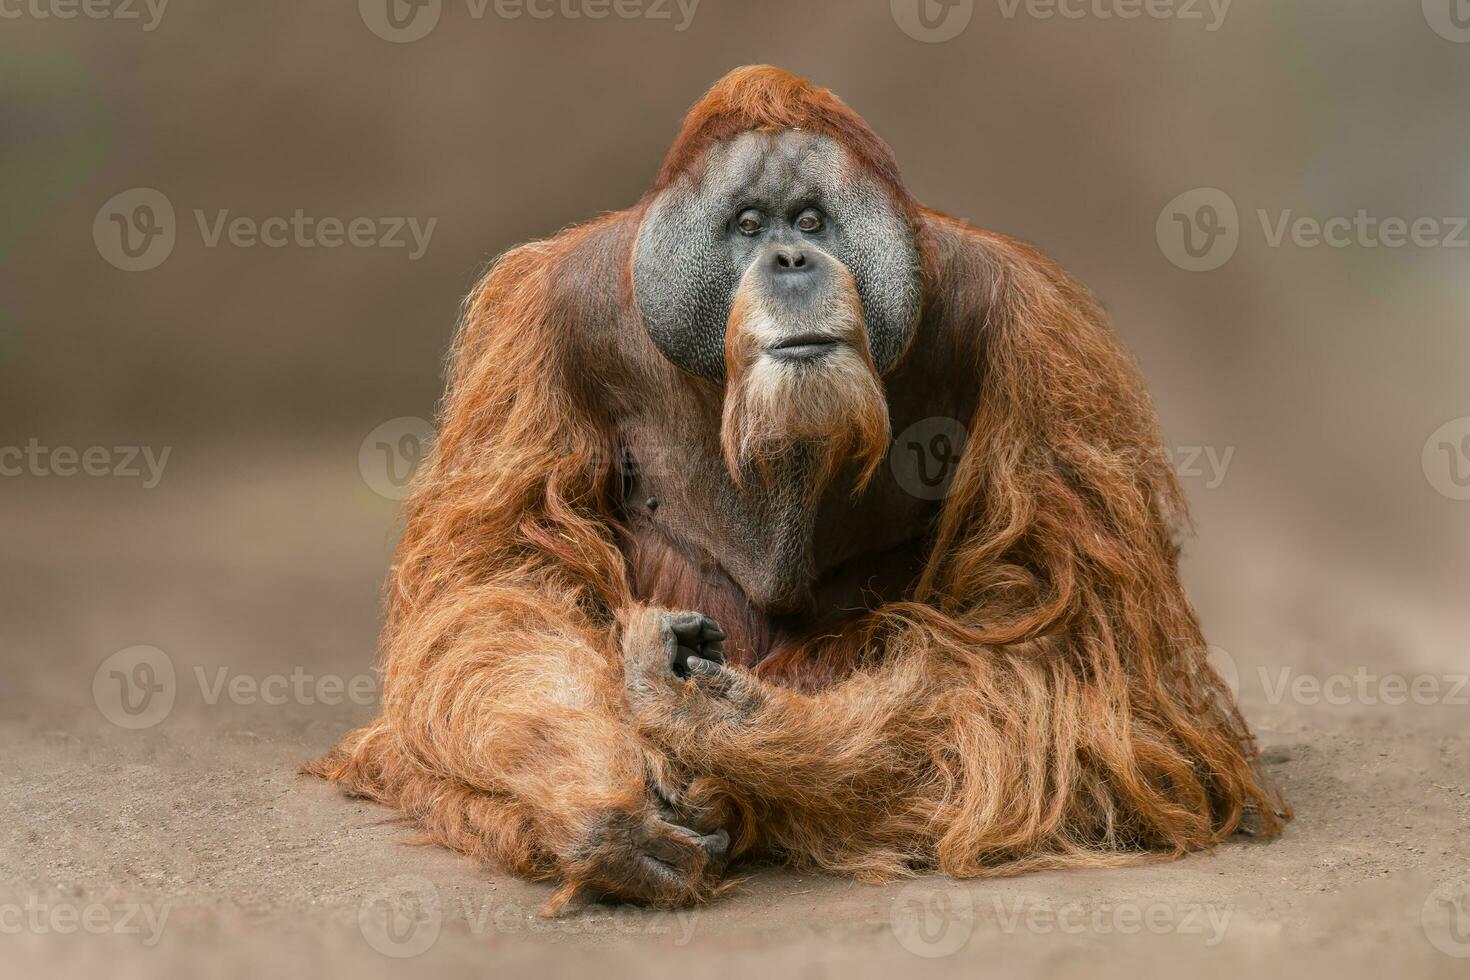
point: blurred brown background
(1326, 369)
(1299, 385)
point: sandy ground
(191, 848)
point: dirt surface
(190, 847)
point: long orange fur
(1039, 700)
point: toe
(716, 846)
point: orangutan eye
(749, 222)
(810, 220)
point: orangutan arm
(516, 697)
(771, 740)
(959, 756)
(842, 778)
(504, 731)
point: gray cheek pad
(876, 244)
(684, 279)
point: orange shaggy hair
(1038, 699)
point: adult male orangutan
(669, 593)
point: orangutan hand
(676, 678)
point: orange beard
(834, 409)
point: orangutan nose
(790, 260)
